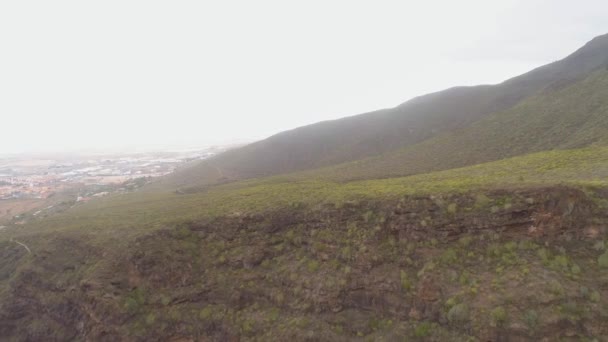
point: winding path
(22, 244)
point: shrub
(452, 208)
(510, 246)
(429, 266)
(379, 324)
(423, 329)
(406, 284)
(498, 316)
(206, 313)
(459, 313)
(247, 326)
(531, 319)
(599, 246)
(449, 257)
(135, 300)
(544, 255)
(482, 201)
(150, 319)
(594, 297)
(346, 253)
(556, 288)
(313, 265)
(559, 263)
(451, 302)
(367, 217)
(575, 269)
(465, 241)
(464, 278)
(602, 260)
(274, 314)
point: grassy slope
(438, 268)
(129, 215)
(571, 117)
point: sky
(77, 75)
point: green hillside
(140, 212)
(510, 248)
(571, 117)
(366, 135)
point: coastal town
(43, 177)
(35, 184)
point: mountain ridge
(572, 117)
(365, 135)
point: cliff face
(498, 265)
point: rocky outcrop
(501, 265)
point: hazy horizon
(135, 74)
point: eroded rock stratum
(517, 265)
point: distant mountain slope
(353, 138)
(572, 117)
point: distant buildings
(22, 180)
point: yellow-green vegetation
(498, 316)
(423, 329)
(135, 213)
(458, 314)
(362, 269)
(602, 260)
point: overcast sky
(106, 74)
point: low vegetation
(512, 248)
(366, 268)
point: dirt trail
(23, 245)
